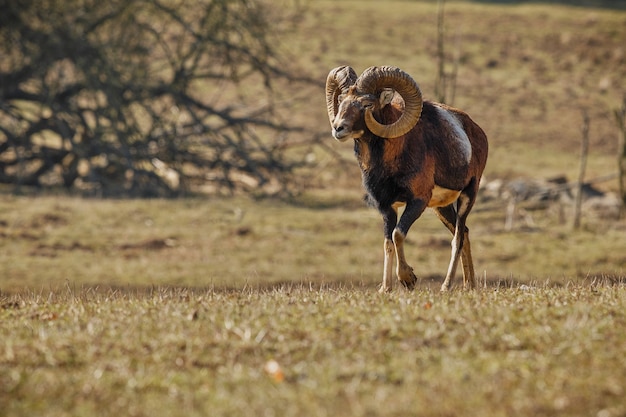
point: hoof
(469, 285)
(408, 282)
(384, 289)
(409, 285)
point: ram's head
(353, 101)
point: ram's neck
(373, 152)
(363, 153)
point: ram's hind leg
(464, 206)
(469, 280)
(460, 242)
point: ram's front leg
(412, 212)
(390, 255)
(403, 269)
(390, 217)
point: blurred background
(224, 98)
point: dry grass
(230, 243)
(334, 350)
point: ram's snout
(343, 130)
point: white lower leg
(454, 261)
(390, 254)
(468, 266)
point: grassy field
(168, 308)
(226, 243)
(236, 306)
(300, 351)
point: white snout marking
(343, 134)
(339, 136)
(462, 151)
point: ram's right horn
(373, 81)
(337, 82)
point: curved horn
(338, 80)
(373, 81)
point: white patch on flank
(464, 146)
(442, 197)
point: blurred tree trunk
(142, 97)
(620, 119)
(584, 153)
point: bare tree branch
(140, 97)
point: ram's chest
(380, 173)
(381, 155)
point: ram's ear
(385, 97)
